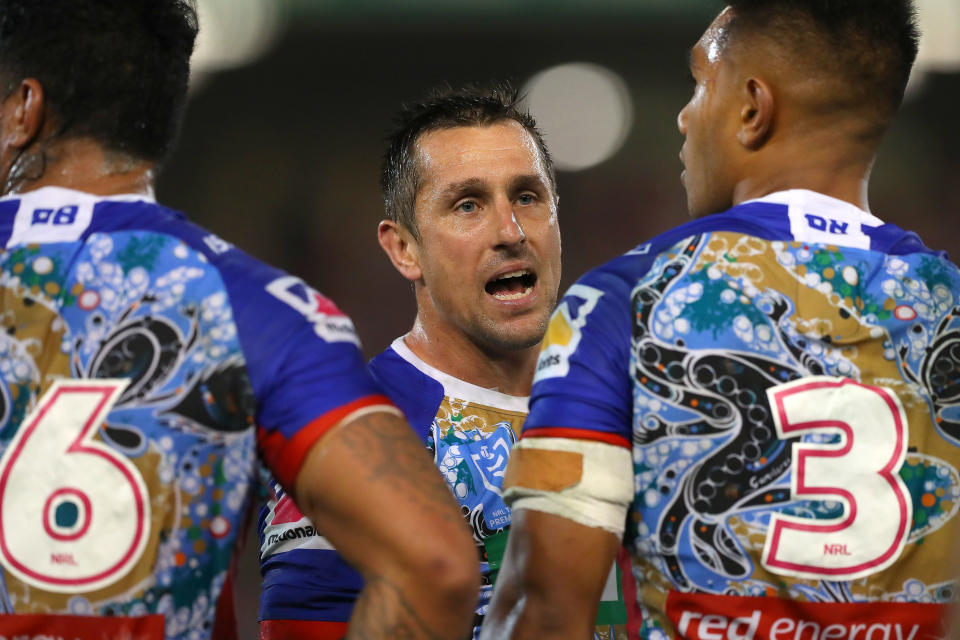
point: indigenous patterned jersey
(787, 374)
(469, 430)
(142, 361)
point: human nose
(509, 231)
(682, 120)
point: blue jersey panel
(304, 578)
(793, 414)
(132, 334)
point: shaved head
(793, 94)
(851, 56)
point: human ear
(399, 245)
(757, 114)
(23, 114)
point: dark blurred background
(280, 150)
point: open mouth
(512, 286)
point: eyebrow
(527, 181)
(457, 189)
(479, 185)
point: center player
(470, 192)
(765, 401)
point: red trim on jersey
(302, 630)
(285, 456)
(286, 511)
(82, 627)
(577, 434)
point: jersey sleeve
(582, 389)
(304, 361)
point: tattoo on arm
(403, 461)
(383, 612)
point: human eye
(526, 199)
(466, 206)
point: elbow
(454, 574)
(439, 567)
(449, 564)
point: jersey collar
(461, 389)
(63, 192)
(815, 201)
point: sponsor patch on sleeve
(564, 333)
(328, 321)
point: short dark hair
(445, 107)
(869, 45)
(114, 70)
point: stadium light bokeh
(584, 111)
(234, 33)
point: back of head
(113, 70)
(862, 49)
(445, 108)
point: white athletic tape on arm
(599, 499)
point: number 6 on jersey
(74, 514)
(861, 472)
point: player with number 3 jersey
(764, 403)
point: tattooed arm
(372, 489)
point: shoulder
(625, 270)
(416, 394)
(262, 296)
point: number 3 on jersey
(74, 514)
(861, 472)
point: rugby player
(143, 360)
(763, 403)
(471, 203)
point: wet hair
(112, 70)
(446, 108)
(867, 47)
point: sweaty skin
(485, 209)
(759, 122)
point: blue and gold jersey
(143, 361)
(787, 376)
(469, 431)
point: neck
(852, 191)
(819, 165)
(452, 352)
(80, 164)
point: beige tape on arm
(588, 482)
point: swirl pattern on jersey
(722, 317)
(143, 307)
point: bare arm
(371, 487)
(553, 574)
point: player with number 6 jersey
(764, 403)
(133, 380)
(145, 362)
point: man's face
(708, 122)
(489, 248)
